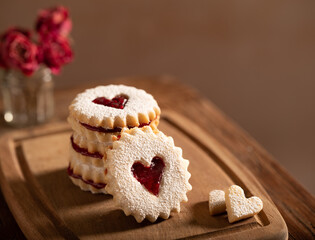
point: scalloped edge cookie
(88, 168)
(95, 136)
(77, 158)
(92, 146)
(92, 136)
(86, 187)
(140, 108)
(142, 145)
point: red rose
(55, 52)
(17, 51)
(53, 21)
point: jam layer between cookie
(90, 182)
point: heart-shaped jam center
(150, 177)
(118, 101)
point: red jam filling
(150, 177)
(110, 130)
(117, 102)
(90, 182)
(101, 129)
(84, 151)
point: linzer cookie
(86, 169)
(110, 108)
(89, 146)
(146, 174)
(91, 134)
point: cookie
(87, 186)
(113, 107)
(91, 146)
(238, 206)
(90, 135)
(146, 174)
(99, 134)
(87, 172)
(217, 202)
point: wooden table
(296, 205)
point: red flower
(53, 21)
(55, 52)
(17, 51)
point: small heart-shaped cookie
(238, 206)
(217, 202)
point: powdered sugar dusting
(138, 102)
(142, 145)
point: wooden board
(47, 205)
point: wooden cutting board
(47, 205)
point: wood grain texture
(39, 159)
(293, 201)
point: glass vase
(27, 100)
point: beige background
(254, 59)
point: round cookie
(91, 146)
(114, 106)
(90, 135)
(99, 134)
(86, 186)
(146, 174)
(87, 172)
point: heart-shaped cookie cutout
(118, 101)
(238, 206)
(150, 177)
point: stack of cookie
(97, 117)
(116, 148)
